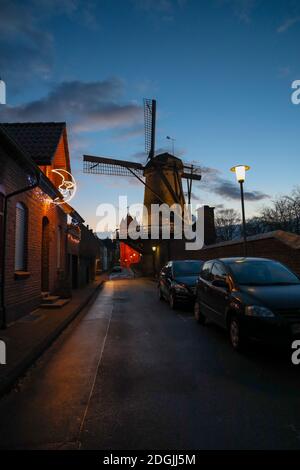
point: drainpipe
(6, 198)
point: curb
(10, 380)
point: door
(162, 277)
(74, 272)
(203, 288)
(218, 293)
(167, 281)
(45, 256)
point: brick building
(33, 229)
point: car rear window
(187, 268)
(262, 272)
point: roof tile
(38, 139)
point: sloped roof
(26, 162)
(164, 159)
(38, 139)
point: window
(58, 247)
(187, 268)
(206, 271)
(262, 273)
(219, 272)
(21, 235)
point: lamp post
(240, 173)
(153, 259)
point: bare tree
(227, 222)
(284, 213)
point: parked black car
(251, 297)
(116, 269)
(177, 281)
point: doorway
(45, 255)
(74, 272)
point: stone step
(58, 304)
(50, 299)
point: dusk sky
(221, 71)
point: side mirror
(220, 283)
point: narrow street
(130, 373)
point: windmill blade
(191, 172)
(150, 122)
(111, 166)
(191, 176)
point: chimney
(209, 225)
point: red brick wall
(266, 245)
(270, 247)
(22, 295)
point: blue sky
(221, 71)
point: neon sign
(67, 187)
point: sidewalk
(28, 338)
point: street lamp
(240, 173)
(153, 259)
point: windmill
(161, 175)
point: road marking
(181, 317)
(94, 380)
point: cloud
(26, 49)
(242, 9)
(125, 134)
(157, 5)
(213, 182)
(196, 198)
(165, 9)
(288, 24)
(86, 106)
(27, 44)
(229, 190)
(140, 157)
(284, 72)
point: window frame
(22, 253)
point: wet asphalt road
(132, 374)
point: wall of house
(23, 291)
(89, 253)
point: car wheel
(199, 317)
(172, 301)
(235, 334)
(160, 294)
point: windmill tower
(162, 172)
(162, 175)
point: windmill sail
(111, 166)
(150, 119)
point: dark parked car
(177, 281)
(251, 297)
(116, 269)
